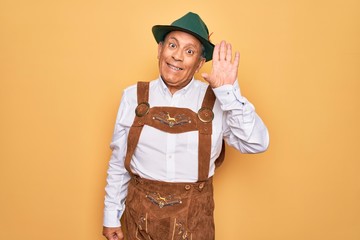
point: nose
(177, 55)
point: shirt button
(187, 187)
(201, 185)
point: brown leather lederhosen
(168, 211)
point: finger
(111, 236)
(216, 52)
(120, 234)
(113, 233)
(237, 59)
(114, 237)
(228, 52)
(222, 50)
(106, 233)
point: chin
(170, 80)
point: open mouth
(174, 67)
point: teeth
(175, 68)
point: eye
(172, 45)
(190, 51)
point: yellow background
(64, 64)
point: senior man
(169, 138)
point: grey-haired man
(169, 138)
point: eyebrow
(189, 44)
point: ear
(160, 47)
(201, 63)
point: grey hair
(203, 52)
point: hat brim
(160, 31)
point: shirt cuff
(112, 218)
(228, 95)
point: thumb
(205, 76)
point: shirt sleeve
(243, 128)
(117, 178)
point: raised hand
(224, 70)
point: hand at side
(113, 233)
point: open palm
(224, 70)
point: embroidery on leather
(165, 118)
(142, 223)
(180, 232)
(142, 227)
(160, 201)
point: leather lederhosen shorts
(169, 211)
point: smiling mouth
(174, 68)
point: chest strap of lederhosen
(187, 121)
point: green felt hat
(190, 23)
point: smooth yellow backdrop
(64, 64)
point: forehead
(183, 38)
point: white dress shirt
(171, 157)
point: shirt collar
(184, 90)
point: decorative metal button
(205, 114)
(142, 109)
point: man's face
(179, 58)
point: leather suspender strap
(138, 124)
(205, 115)
(142, 92)
(208, 102)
